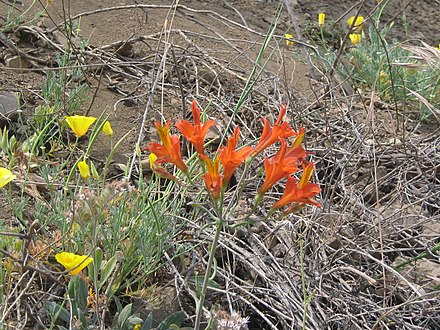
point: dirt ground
(214, 46)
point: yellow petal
(84, 169)
(80, 124)
(357, 24)
(355, 38)
(321, 19)
(288, 36)
(107, 129)
(73, 262)
(6, 176)
(152, 158)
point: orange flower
(278, 167)
(195, 133)
(302, 193)
(270, 135)
(296, 150)
(230, 158)
(159, 170)
(169, 150)
(213, 180)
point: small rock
(8, 108)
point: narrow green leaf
(107, 270)
(56, 311)
(148, 323)
(176, 319)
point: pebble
(8, 108)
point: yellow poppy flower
(357, 24)
(288, 36)
(84, 169)
(80, 124)
(73, 262)
(321, 19)
(355, 38)
(107, 129)
(6, 176)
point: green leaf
(197, 280)
(77, 291)
(133, 320)
(123, 316)
(107, 270)
(174, 319)
(56, 311)
(148, 322)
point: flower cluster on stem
(217, 172)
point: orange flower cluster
(216, 178)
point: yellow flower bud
(84, 169)
(321, 19)
(107, 129)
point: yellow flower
(80, 124)
(357, 24)
(355, 38)
(73, 262)
(152, 158)
(84, 169)
(288, 36)
(107, 129)
(321, 19)
(137, 327)
(6, 176)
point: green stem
(199, 306)
(303, 280)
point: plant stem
(199, 306)
(303, 280)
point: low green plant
(394, 72)
(14, 19)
